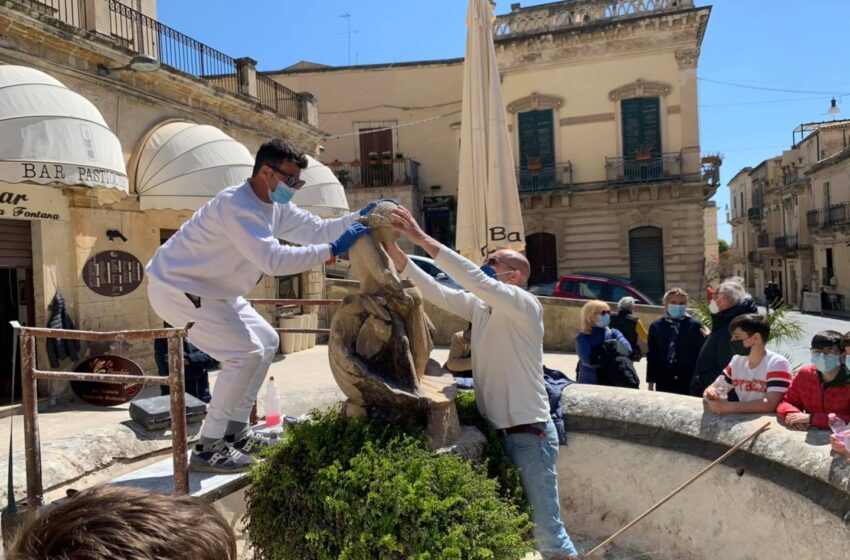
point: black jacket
(627, 323)
(58, 349)
(716, 353)
(676, 377)
(199, 362)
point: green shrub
(338, 488)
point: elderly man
(730, 301)
(507, 357)
(629, 324)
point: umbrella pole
(719, 460)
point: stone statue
(380, 341)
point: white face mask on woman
(714, 308)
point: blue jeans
(535, 458)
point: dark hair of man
(276, 151)
(845, 340)
(827, 340)
(115, 523)
(751, 324)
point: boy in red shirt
(820, 388)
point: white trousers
(233, 333)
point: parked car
(431, 268)
(544, 289)
(339, 267)
(605, 287)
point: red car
(604, 287)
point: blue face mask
(282, 194)
(676, 311)
(603, 321)
(826, 364)
(488, 270)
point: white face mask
(714, 308)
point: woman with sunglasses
(595, 318)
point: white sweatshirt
(507, 339)
(223, 250)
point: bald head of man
(511, 267)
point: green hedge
(347, 489)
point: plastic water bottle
(272, 404)
(836, 424)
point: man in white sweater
(201, 274)
(507, 358)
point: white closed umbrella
(489, 215)
(322, 193)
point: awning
(323, 194)
(182, 165)
(51, 135)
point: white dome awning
(182, 165)
(50, 134)
(322, 194)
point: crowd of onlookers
(728, 364)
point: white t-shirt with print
(772, 375)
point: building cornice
(640, 88)
(535, 101)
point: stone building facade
(601, 100)
(87, 47)
(787, 215)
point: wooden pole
(764, 427)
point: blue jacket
(585, 343)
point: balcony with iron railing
(755, 258)
(132, 30)
(377, 173)
(786, 245)
(736, 216)
(793, 179)
(814, 220)
(763, 240)
(638, 169)
(838, 214)
(533, 179)
(755, 213)
(556, 16)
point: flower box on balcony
(534, 165)
(399, 157)
(355, 163)
(643, 156)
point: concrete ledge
(785, 492)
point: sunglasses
(291, 181)
(493, 260)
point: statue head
(379, 220)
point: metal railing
(30, 376)
(763, 240)
(628, 170)
(786, 244)
(142, 34)
(377, 173)
(839, 214)
(756, 213)
(564, 15)
(814, 219)
(547, 178)
(70, 12)
(755, 258)
(280, 98)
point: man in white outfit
(507, 358)
(201, 274)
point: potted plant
(643, 153)
(373, 158)
(534, 164)
(355, 163)
(343, 176)
(335, 164)
(387, 158)
(399, 156)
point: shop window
(289, 287)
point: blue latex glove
(372, 205)
(347, 239)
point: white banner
(31, 202)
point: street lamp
(139, 63)
(833, 108)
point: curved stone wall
(783, 495)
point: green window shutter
(641, 126)
(536, 138)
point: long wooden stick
(764, 427)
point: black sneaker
(219, 457)
(249, 442)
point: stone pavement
(78, 439)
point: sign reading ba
(499, 236)
(107, 394)
(72, 175)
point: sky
(786, 56)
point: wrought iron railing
(763, 240)
(547, 178)
(70, 12)
(377, 173)
(625, 170)
(755, 258)
(755, 213)
(839, 214)
(280, 98)
(564, 15)
(786, 244)
(814, 219)
(145, 35)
